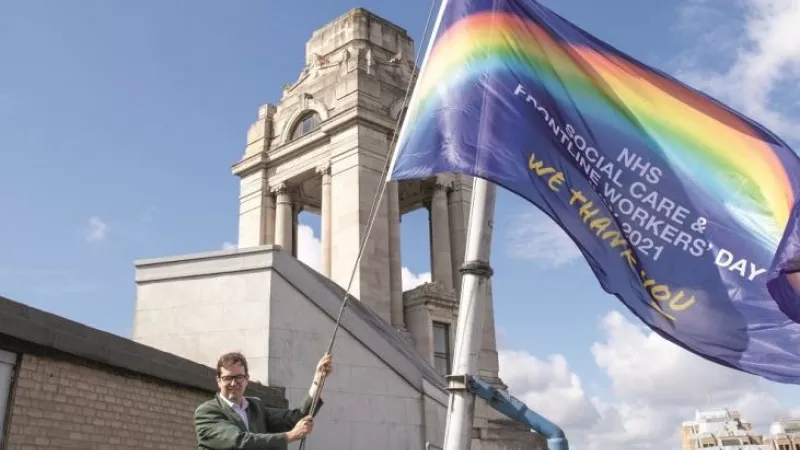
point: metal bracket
(478, 268)
(457, 382)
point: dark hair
(229, 359)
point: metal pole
(472, 308)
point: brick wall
(82, 388)
(65, 404)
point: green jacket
(218, 426)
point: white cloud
(309, 251)
(536, 237)
(96, 230)
(309, 248)
(642, 364)
(538, 383)
(411, 280)
(655, 386)
(765, 58)
(227, 245)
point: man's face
(232, 382)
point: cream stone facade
(323, 148)
(280, 313)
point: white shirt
(240, 410)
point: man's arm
(324, 368)
(215, 431)
(280, 420)
(285, 419)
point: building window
(307, 123)
(441, 347)
(7, 361)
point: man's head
(232, 376)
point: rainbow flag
(686, 210)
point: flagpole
(471, 313)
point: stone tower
(322, 148)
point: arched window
(307, 123)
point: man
(232, 421)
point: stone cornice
(317, 138)
(249, 164)
(358, 115)
(430, 304)
(431, 289)
(430, 294)
(277, 155)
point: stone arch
(310, 109)
(308, 122)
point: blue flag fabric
(686, 210)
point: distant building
(784, 434)
(725, 429)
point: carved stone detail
(434, 291)
(323, 169)
(286, 189)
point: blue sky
(119, 122)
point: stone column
(395, 268)
(296, 210)
(325, 220)
(269, 217)
(458, 234)
(283, 218)
(441, 267)
(353, 186)
(256, 211)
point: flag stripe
(691, 131)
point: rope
(372, 214)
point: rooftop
(24, 329)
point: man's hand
(324, 367)
(301, 429)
